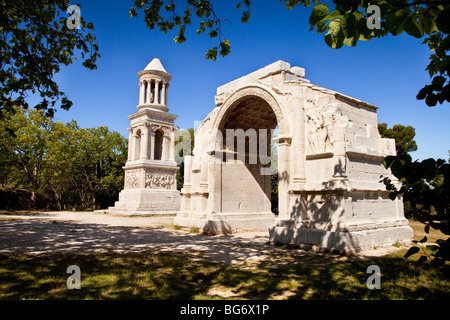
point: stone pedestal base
(227, 222)
(343, 240)
(147, 202)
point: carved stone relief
(319, 140)
(159, 179)
(133, 179)
(325, 125)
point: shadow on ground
(167, 275)
(47, 236)
(169, 264)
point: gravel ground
(83, 232)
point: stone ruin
(329, 163)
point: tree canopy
(35, 42)
(349, 22)
(425, 185)
(68, 165)
(38, 37)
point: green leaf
(395, 21)
(321, 27)
(392, 196)
(422, 259)
(398, 168)
(438, 82)
(133, 13)
(245, 16)
(412, 27)
(443, 21)
(225, 48)
(429, 24)
(335, 14)
(365, 33)
(212, 54)
(387, 161)
(201, 29)
(422, 94)
(429, 166)
(411, 251)
(180, 38)
(213, 34)
(348, 25)
(351, 42)
(433, 248)
(431, 100)
(348, 5)
(320, 11)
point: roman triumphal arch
(329, 165)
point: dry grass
(164, 275)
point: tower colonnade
(153, 92)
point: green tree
(349, 22)
(98, 163)
(6, 153)
(183, 147)
(27, 135)
(70, 166)
(35, 41)
(404, 137)
(426, 185)
(60, 181)
(404, 143)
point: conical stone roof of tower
(155, 65)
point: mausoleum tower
(150, 170)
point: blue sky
(386, 72)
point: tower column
(136, 146)
(144, 142)
(149, 92)
(163, 93)
(130, 144)
(156, 101)
(172, 145)
(166, 148)
(142, 92)
(152, 145)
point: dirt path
(82, 232)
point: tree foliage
(426, 185)
(167, 15)
(34, 42)
(403, 135)
(69, 165)
(352, 21)
(24, 147)
(349, 22)
(184, 145)
(404, 143)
